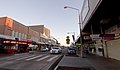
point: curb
(52, 67)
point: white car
(44, 49)
(71, 50)
(55, 50)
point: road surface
(27, 61)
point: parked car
(44, 49)
(55, 50)
(31, 50)
(71, 50)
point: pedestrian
(85, 52)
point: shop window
(25, 37)
(20, 35)
(13, 33)
(16, 34)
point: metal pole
(81, 42)
(81, 38)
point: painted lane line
(6, 63)
(25, 57)
(17, 57)
(34, 57)
(43, 58)
(52, 58)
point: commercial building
(41, 29)
(100, 20)
(45, 38)
(14, 36)
(44, 33)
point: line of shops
(101, 27)
(14, 46)
(11, 45)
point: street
(28, 61)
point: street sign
(95, 36)
(73, 38)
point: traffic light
(67, 40)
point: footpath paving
(91, 62)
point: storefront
(13, 46)
(10, 45)
(103, 18)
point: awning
(106, 15)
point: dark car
(71, 50)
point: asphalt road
(27, 61)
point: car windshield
(71, 48)
(56, 48)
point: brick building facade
(41, 29)
(14, 34)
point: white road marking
(34, 57)
(20, 54)
(52, 58)
(43, 58)
(5, 63)
(25, 57)
(16, 57)
(10, 57)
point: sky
(50, 13)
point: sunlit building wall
(47, 32)
(33, 35)
(6, 26)
(16, 29)
(89, 6)
(41, 29)
(19, 30)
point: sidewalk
(91, 62)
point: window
(13, 33)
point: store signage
(2, 36)
(107, 35)
(87, 37)
(7, 37)
(95, 36)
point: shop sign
(87, 37)
(10, 37)
(108, 38)
(107, 35)
(2, 36)
(95, 36)
(7, 37)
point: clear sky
(50, 13)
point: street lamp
(79, 28)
